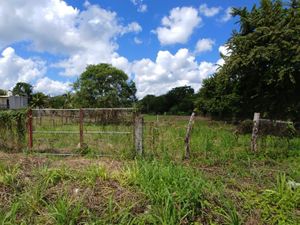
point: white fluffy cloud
(178, 26)
(83, 37)
(169, 71)
(14, 68)
(48, 86)
(89, 36)
(227, 16)
(204, 45)
(209, 12)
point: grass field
(223, 183)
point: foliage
(12, 129)
(23, 89)
(65, 101)
(277, 205)
(261, 72)
(223, 183)
(268, 127)
(176, 193)
(245, 127)
(39, 100)
(178, 100)
(103, 85)
(8, 175)
(65, 211)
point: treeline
(178, 101)
(262, 72)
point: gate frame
(138, 122)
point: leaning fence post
(138, 134)
(187, 139)
(81, 128)
(29, 127)
(255, 132)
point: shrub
(12, 129)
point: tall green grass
(223, 183)
(176, 193)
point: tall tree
(262, 71)
(180, 100)
(22, 89)
(103, 85)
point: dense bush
(268, 127)
(12, 129)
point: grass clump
(52, 176)
(278, 205)
(65, 211)
(92, 173)
(8, 175)
(176, 193)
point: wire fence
(104, 131)
(122, 132)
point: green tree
(154, 104)
(262, 72)
(68, 100)
(103, 85)
(39, 100)
(147, 104)
(57, 102)
(22, 89)
(178, 100)
(65, 101)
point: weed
(8, 175)
(277, 205)
(10, 217)
(176, 193)
(65, 211)
(92, 173)
(54, 176)
(230, 214)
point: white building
(13, 102)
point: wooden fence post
(30, 131)
(255, 132)
(187, 139)
(138, 134)
(81, 128)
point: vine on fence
(12, 129)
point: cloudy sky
(160, 44)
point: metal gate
(100, 131)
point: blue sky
(159, 44)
